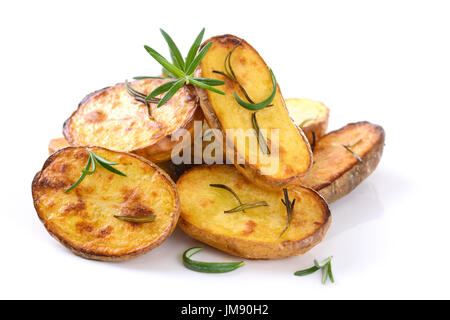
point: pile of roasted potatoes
(110, 191)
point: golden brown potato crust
(113, 119)
(83, 219)
(254, 234)
(223, 112)
(336, 171)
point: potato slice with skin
(336, 171)
(57, 144)
(311, 115)
(83, 219)
(223, 112)
(255, 233)
(113, 119)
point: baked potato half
(113, 119)
(255, 233)
(311, 116)
(57, 144)
(83, 219)
(223, 112)
(344, 158)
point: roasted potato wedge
(311, 116)
(223, 112)
(337, 168)
(113, 119)
(83, 218)
(57, 144)
(254, 234)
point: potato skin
(159, 148)
(342, 182)
(91, 253)
(252, 172)
(254, 249)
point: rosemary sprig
(229, 72)
(289, 209)
(325, 266)
(182, 71)
(249, 205)
(261, 140)
(242, 206)
(263, 104)
(138, 96)
(207, 267)
(136, 219)
(91, 163)
(222, 186)
(349, 149)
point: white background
(387, 62)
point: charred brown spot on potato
(104, 232)
(84, 227)
(136, 210)
(249, 227)
(95, 116)
(49, 183)
(75, 207)
(60, 167)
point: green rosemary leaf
(193, 50)
(197, 59)
(330, 273)
(261, 140)
(112, 169)
(228, 67)
(210, 82)
(207, 267)
(171, 92)
(322, 263)
(91, 163)
(353, 153)
(105, 163)
(100, 159)
(222, 186)
(324, 274)
(174, 52)
(289, 210)
(306, 272)
(149, 77)
(205, 86)
(223, 74)
(249, 205)
(161, 89)
(357, 142)
(83, 175)
(166, 64)
(262, 104)
(136, 219)
(167, 74)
